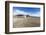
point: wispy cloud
(20, 12)
(25, 13)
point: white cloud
(25, 13)
(19, 12)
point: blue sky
(26, 11)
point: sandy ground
(25, 22)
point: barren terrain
(26, 22)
